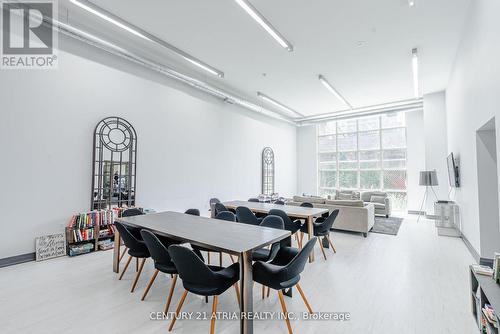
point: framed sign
(50, 246)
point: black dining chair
(306, 205)
(136, 248)
(135, 231)
(253, 199)
(321, 228)
(279, 202)
(162, 262)
(292, 226)
(283, 273)
(192, 212)
(219, 207)
(268, 254)
(202, 279)
(246, 216)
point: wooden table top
(290, 210)
(226, 236)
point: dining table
(292, 211)
(220, 235)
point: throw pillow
(344, 196)
(377, 199)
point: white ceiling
(363, 47)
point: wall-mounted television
(453, 173)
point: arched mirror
(268, 171)
(114, 164)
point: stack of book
(482, 270)
(489, 315)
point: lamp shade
(428, 178)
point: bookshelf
(91, 231)
(484, 290)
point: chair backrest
(273, 222)
(253, 199)
(190, 267)
(226, 215)
(306, 205)
(277, 223)
(219, 207)
(279, 202)
(132, 212)
(213, 201)
(297, 264)
(246, 216)
(157, 250)
(128, 238)
(328, 223)
(286, 220)
(192, 212)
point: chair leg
(214, 315)
(208, 257)
(268, 291)
(331, 243)
(322, 250)
(126, 266)
(304, 298)
(285, 313)
(136, 264)
(125, 249)
(171, 292)
(138, 274)
(237, 290)
(149, 284)
(220, 259)
(263, 291)
(179, 307)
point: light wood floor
(415, 282)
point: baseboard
(471, 249)
(10, 261)
(416, 212)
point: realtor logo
(28, 37)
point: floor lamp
(428, 179)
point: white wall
(190, 147)
(307, 160)
(472, 99)
(416, 157)
(436, 149)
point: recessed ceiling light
(414, 66)
(332, 90)
(260, 19)
(278, 104)
(119, 22)
(411, 3)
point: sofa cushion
(339, 202)
(379, 206)
(310, 199)
(377, 199)
(344, 196)
(365, 196)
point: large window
(362, 154)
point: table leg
(310, 232)
(116, 252)
(246, 292)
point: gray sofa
(354, 215)
(380, 201)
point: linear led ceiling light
(119, 22)
(332, 90)
(290, 111)
(254, 13)
(414, 66)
